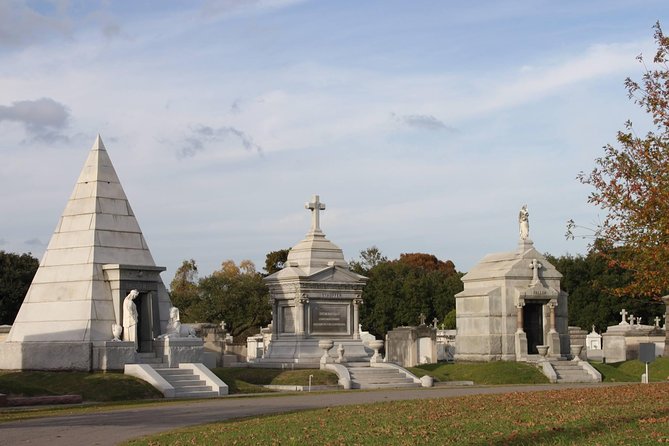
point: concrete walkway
(113, 427)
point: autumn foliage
(631, 183)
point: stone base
(521, 346)
(174, 351)
(46, 356)
(483, 358)
(554, 344)
(113, 355)
(294, 350)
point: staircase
(185, 382)
(571, 372)
(366, 377)
(189, 380)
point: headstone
(70, 316)
(593, 344)
(314, 297)
(621, 342)
(411, 346)
(446, 345)
(511, 303)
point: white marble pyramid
(68, 299)
(75, 295)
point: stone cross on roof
(657, 322)
(315, 206)
(624, 315)
(535, 265)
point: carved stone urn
(543, 351)
(326, 345)
(376, 345)
(576, 352)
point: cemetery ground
(488, 414)
(606, 415)
(114, 389)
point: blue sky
(423, 125)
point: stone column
(519, 317)
(551, 306)
(356, 317)
(301, 303)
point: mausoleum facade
(314, 297)
(511, 303)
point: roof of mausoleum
(512, 264)
(315, 253)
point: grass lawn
(250, 380)
(91, 386)
(631, 371)
(634, 414)
(103, 387)
(496, 372)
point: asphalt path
(113, 427)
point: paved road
(111, 428)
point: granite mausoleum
(512, 303)
(314, 297)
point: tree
(399, 291)
(428, 262)
(368, 259)
(589, 280)
(16, 274)
(184, 289)
(275, 260)
(235, 294)
(631, 183)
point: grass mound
(251, 380)
(634, 414)
(91, 386)
(496, 372)
(631, 371)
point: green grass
(251, 380)
(631, 371)
(634, 414)
(91, 386)
(496, 372)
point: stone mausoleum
(511, 303)
(72, 315)
(314, 297)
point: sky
(423, 125)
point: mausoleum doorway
(533, 325)
(145, 327)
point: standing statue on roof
(524, 223)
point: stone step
(371, 370)
(195, 388)
(195, 394)
(356, 385)
(189, 383)
(177, 378)
(175, 372)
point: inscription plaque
(288, 319)
(329, 319)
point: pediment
(336, 274)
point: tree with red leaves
(631, 183)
